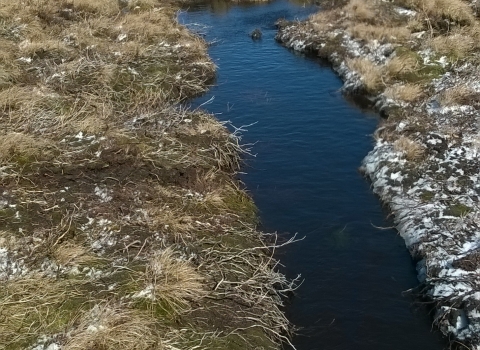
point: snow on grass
(435, 201)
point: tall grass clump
(114, 327)
(412, 150)
(173, 282)
(370, 73)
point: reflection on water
(219, 7)
(302, 2)
(309, 143)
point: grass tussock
(114, 328)
(45, 48)
(370, 73)
(404, 92)
(455, 46)
(401, 65)
(174, 282)
(411, 149)
(15, 97)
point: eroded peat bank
(418, 63)
(121, 223)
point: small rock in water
(256, 34)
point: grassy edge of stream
(122, 225)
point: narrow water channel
(309, 143)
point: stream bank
(425, 163)
(122, 225)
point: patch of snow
(104, 194)
(9, 266)
(122, 37)
(404, 12)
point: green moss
(126, 281)
(162, 311)
(251, 338)
(464, 181)
(405, 52)
(240, 203)
(423, 73)
(7, 213)
(63, 316)
(457, 210)
(235, 240)
(37, 307)
(426, 196)
(23, 160)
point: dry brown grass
(361, 10)
(365, 20)
(71, 254)
(15, 145)
(14, 97)
(458, 95)
(378, 32)
(399, 65)
(404, 92)
(114, 328)
(7, 76)
(415, 24)
(174, 282)
(104, 7)
(136, 5)
(204, 125)
(33, 306)
(371, 74)
(455, 46)
(84, 50)
(92, 88)
(146, 27)
(323, 20)
(411, 149)
(43, 48)
(436, 10)
(169, 218)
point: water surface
(309, 142)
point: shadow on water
(309, 143)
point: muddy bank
(417, 65)
(121, 223)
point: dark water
(309, 144)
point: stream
(309, 142)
